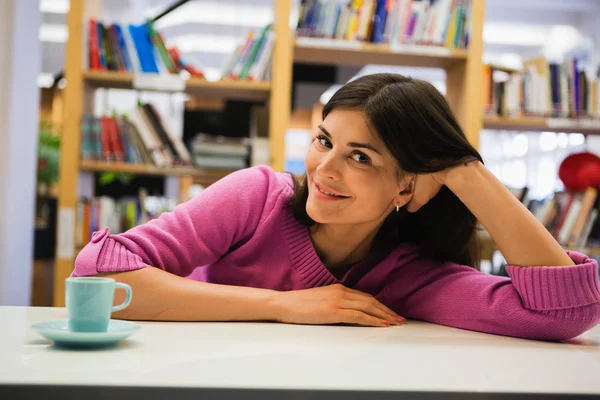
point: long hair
(414, 121)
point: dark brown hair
(414, 121)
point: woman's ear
(409, 186)
(407, 190)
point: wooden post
(281, 83)
(464, 79)
(185, 184)
(69, 152)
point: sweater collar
(305, 260)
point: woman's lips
(323, 192)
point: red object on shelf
(579, 171)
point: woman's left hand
(426, 186)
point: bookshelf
(463, 69)
(540, 124)
(142, 169)
(78, 99)
(328, 51)
(195, 86)
(541, 96)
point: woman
(381, 228)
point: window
(529, 159)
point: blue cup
(89, 302)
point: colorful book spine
(122, 46)
(94, 55)
(237, 68)
(160, 48)
(101, 48)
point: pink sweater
(241, 231)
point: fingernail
(386, 322)
(400, 319)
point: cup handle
(127, 296)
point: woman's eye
(323, 141)
(361, 158)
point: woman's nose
(329, 166)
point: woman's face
(352, 178)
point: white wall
(539, 15)
(19, 106)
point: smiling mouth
(329, 193)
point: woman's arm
(161, 296)
(520, 237)
(196, 233)
(547, 303)
(557, 300)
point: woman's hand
(426, 186)
(331, 305)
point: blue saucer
(58, 331)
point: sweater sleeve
(544, 303)
(195, 233)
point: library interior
(132, 131)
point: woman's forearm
(520, 237)
(161, 296)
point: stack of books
(142, 137)
(219, 152)
(428, 22)
(133, 48)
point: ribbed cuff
(87, 259)
(555, 288)
(104, 254)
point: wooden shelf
(540, 124)
(339, 52)
(498, 67)
(205, 175)
(193, 86)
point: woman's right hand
(332, 305)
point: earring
(397, 208)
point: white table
(266, 360)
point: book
(587, 202)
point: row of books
(541, 89)
(142, 137)
(251, 60)
(133, 48)
(571, 217)
(119, 215)
(430, 22)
